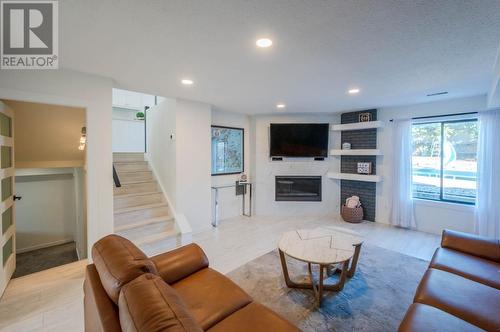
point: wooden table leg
(313, 283)
(352, 268)
(319, 287)
(354, 261)
(288, 281)
(341, 282)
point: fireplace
(298, 188)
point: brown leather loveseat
(460, 291)
(174, 291)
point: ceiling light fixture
(280, 106)
(83, 139)
(264, 42)
(353, 91)
(187, 81)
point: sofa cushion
(119, 261)
(471, 301)
(149, 304)
(254, 317)
(179, 263)
(468, 266)
(476, 245)
(424, 318)
(101, 314)
(210, 296)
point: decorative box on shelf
(364, 168)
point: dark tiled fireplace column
(359, 139)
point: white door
(7, 214)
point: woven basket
(354, 215)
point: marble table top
(322, 245)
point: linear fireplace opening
(298, 188)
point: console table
(245, 185)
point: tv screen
(299, 139)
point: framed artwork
(227, 150)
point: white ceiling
(396, 52)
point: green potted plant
(139, 115)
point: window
(444, 160)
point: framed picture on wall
(227, 150)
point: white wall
(132, 100)
(162, 147)
(229, 203)
(128, 132)
(179, 152)
(431, 217)
(494, 93)
(264, 170)
(128, 135)
(193, 144)
(69, 88)
(46, 214)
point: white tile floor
(52, 300)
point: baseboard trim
(44, 245)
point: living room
(314, 166)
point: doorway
(48, 185)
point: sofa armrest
(177, 264)
(471, 244)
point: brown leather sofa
(174, 291)
(460, 291)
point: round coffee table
(324, 246)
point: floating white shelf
(358, 126)
(354, 177)
(356, 152)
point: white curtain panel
(402, 202)
(487, 211)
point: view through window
(444, 160)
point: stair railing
(116, 179)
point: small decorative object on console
(365, 168)
(365, 117)
(346, 146)
(243, 178)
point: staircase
(141, 213)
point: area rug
(375, 299)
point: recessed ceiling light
(353, 91)
(187, 81)
(280, 106)
(264, 42)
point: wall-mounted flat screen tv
(299, 140)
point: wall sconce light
(83, 139)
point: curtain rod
(439, 116)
